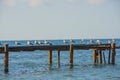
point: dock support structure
(109, 55)
(50, 57)
(100, 56)
(58, 57)
(6, 58)
(95, 56)
(104, 58)
(71, 55)
(113, 53)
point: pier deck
(56, 47)
(97, 51)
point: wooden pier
(98, 52)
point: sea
(33, 65)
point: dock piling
(95, 56)
(109, 54)
(6, 58)
(104, 58)
(58, 57)
(100, 56)
(113, 53)
(71, 55)
(50, 57)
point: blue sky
(59, 19)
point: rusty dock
(98, 52)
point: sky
(59, 19)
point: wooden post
(100, 56)
(109, 54)
(6, 58)
(104, 58)
(71, 55)
(50, 57)
(113, 53)
(95, 56)
(58, 57)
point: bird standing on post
(113, 40)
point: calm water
(33, 65)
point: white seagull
(17, 43)
(46, 42)
(71, 41)
(91, 41)
(39, 42)
(29, 43)
(81, 41)
(98, 41)
(113, 40)
(36, 42)
(64, 41)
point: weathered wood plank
(57, 47)
(6, 61)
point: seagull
(46, 42)
(71, 41)
(36, 42)
(29, 43)
(98, 41)
(113, 40)
(81, 41)
(17, 43)
(91, 41)
(39, 42)
(64, 41)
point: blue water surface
(33, 65)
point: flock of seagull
(36, 42)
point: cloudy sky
(59, 19)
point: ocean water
(33, 65)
